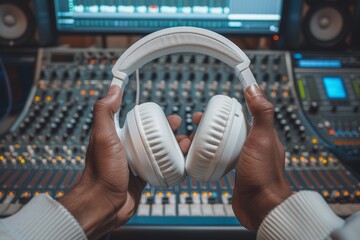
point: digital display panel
(319, 63)
(145, 16)
(334, 88)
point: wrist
(265, 201)
(93, 208)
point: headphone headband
(182, 39)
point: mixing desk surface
(44, 150)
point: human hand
(108, 194)
(260, 183)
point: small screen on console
(334, 88)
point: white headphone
(152, 149)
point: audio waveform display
(121, 16)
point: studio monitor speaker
(327, 24)
(25, 23)
(320, 24)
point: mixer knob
(65, 75)
(265, 60)
(277, 59)
(206, 60)
(22, 127)
(168, 59)
(37, 109)
(279, 117)
(277, 110)
(88, 120)
(205, 77)
(180, 59)
(315, 148)
(289, 111)
(38, 128)
(64, 109)
(54, 127)
(297, 122)
(69, 127)
(301, 129)
(266, 77)
(77, 74)
(283, 122)
(293, 117)
(314, 107)
(105, 75)
(51, 108)
(296, 148)
(48, 136)
(93, 75)
(218, 77)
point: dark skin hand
(260, 183)
(108, 194)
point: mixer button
(207, 210)
(195, 210)
(157, 210)
(143, 210)
(170, 210)
(314, 107)
(184, 209)
(229, 210)
(219, 210)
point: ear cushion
(163, 165)
(218, 140)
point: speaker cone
(17, 23)
(327, 25)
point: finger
(260, 108)
(185, 145)
(174, 121)
(279, 145)
(192, 136)
(197, 117)
(136, 183)
(180, 137)
(104, 110)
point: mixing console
(329, 93)
(44, 150)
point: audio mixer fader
(43, 152)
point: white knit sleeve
(41, 218)
(304, 215)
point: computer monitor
(145, 16)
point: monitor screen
(334, 88)
(145, 16)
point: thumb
(260, 108)
(104, 110)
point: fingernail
(113, 90)
(254, 90)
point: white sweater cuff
(304, 215)
(44, 218)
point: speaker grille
(327, 25)
(17, 23)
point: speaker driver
(16, 24)
(327, 26)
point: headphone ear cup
(152, 149)
(218, 140)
